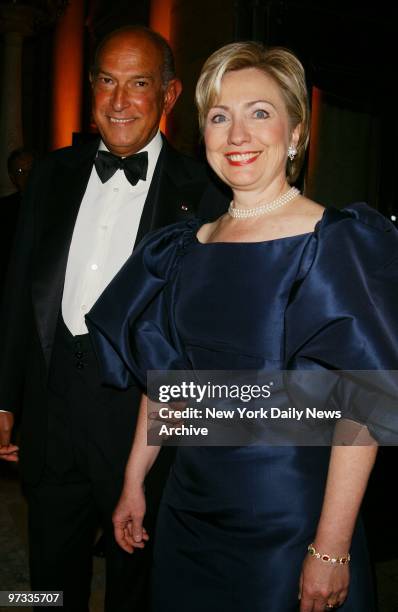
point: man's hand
(8, 452)
(127, 520)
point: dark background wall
(348, 50)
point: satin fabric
(235, 522)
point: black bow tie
(135, 166)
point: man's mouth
(120, 121)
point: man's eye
(141, 83)
(105, 80)
(260, 114)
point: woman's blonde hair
(278, 63)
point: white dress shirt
(103, 238)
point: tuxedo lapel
(59, 210)
(174, 193)
(146, 221)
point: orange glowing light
(68, 75)
(160, 21)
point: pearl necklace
(245, 213)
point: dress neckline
(258, 242)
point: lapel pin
(184, 207)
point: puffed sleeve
(343, 315)
(131, 325)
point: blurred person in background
(19, 164)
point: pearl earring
(291, 152)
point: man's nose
(120, 99)
(238, 132)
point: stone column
(16, 22)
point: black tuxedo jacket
(181, 188)
(9, 210)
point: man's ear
(91, 79)
(173, 90)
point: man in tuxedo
(84, 210)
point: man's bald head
(168, 65)
(133, 84)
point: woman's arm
(322, 582)
(130, 510)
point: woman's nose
(238, 132)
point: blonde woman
(275, 283)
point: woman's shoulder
(170, 237)
(173, 233)
(166, 243)
(357, 227)
(147, 270)
(357, 217)
(354, 217)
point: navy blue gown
(235, 522)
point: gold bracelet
(327, 558)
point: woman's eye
(260, 114)
(217, 118)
